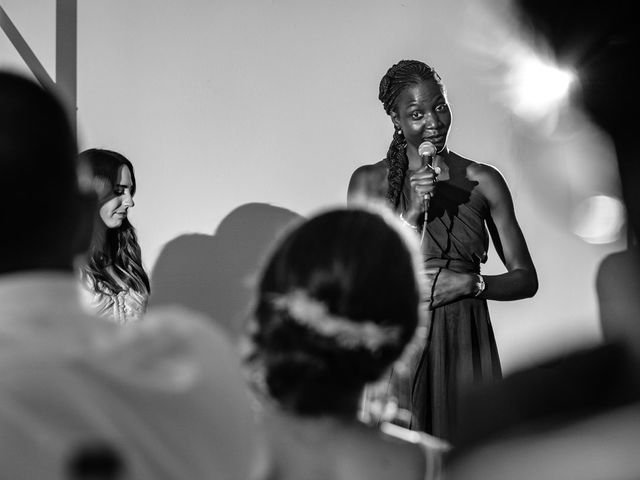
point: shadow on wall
(216, 274)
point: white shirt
(167, 393)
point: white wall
(223, 103)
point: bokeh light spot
(599, 219)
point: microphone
(427, 151)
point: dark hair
(39, 178)
(96, 460)
(397, 78)
(121, 250)
(334, 259)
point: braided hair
(397, 78)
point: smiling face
(117, 203)
(422, 113)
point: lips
(438, 140)
(434, 137)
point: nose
(433, 120)
(128, 201)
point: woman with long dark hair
(113, 272)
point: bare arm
(520, 280)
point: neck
(346, 412)
(320, 425)
(99, 236)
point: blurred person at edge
(578, 416)
(167, 395)
(329, 318)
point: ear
(395, 120)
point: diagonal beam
(67, 53)
(25, 51)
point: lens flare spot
(599, 219)
(537, 88)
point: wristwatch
(480, 285)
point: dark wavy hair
(398, 77)
(121, 249)
(334, 258)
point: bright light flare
(520, 66)
(599, 219)
(537, 88)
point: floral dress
(124, 306)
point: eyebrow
(439, 98)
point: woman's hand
(423, 183)
(448, 286)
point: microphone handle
(425, 201)
(428, 159)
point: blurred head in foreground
(330, 315)
(43, 205)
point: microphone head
(427, 149)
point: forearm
(514, 285)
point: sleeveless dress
(460, 348)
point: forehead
(425, 92)
(124, 176)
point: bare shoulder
(491, 183)
(379, 168)
(483, 172)
(369, 181)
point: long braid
(397, 78)
(398, 165)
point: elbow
(531, 285)
(532, 290)
(525, 283)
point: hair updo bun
(331, 316)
